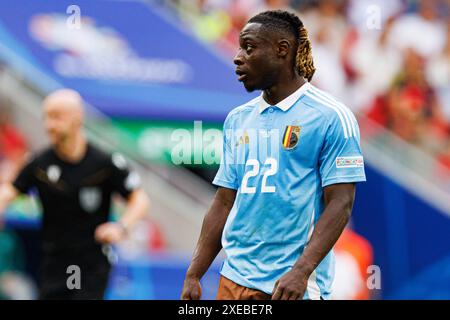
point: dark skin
(265, 62)
(209, 243)
(266, 58)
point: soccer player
(75, 182)
(277, 213)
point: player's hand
(109, 233)
(192, 290)
(291, 286)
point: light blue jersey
(279, 159)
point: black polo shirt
(75, 197)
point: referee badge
(90, 199)
(291, 137)
(53, 173)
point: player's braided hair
(284, 20)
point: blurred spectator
(439, 68)
(326, 17)
(410, 107)
(327, 28)
(439, 75)
(422, 31)
(329, 73)
(362, 14)
(374, 64)
(415, 110)
(12, 147)
(208, 18)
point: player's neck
(72, 150)
(283, 89)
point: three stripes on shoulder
(346, 117)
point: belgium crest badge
(291, 137)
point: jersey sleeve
(226, 175)
(341, 159)
(123, 180)
(25, 180)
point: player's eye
(248, 47)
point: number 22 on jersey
(254, 170)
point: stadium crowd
(387, 59)
(13, 147)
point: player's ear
(283, 48)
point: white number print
(250, 174)
(272, 170)
(254, 171)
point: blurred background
(149, 68)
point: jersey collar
(287, 102)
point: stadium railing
(410, 166)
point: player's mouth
(241, 75)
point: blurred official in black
(75, 182)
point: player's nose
(238, 58)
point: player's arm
(128, 184)
(338, 207)
(138, 204)
(137, 207)
(209, 243)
